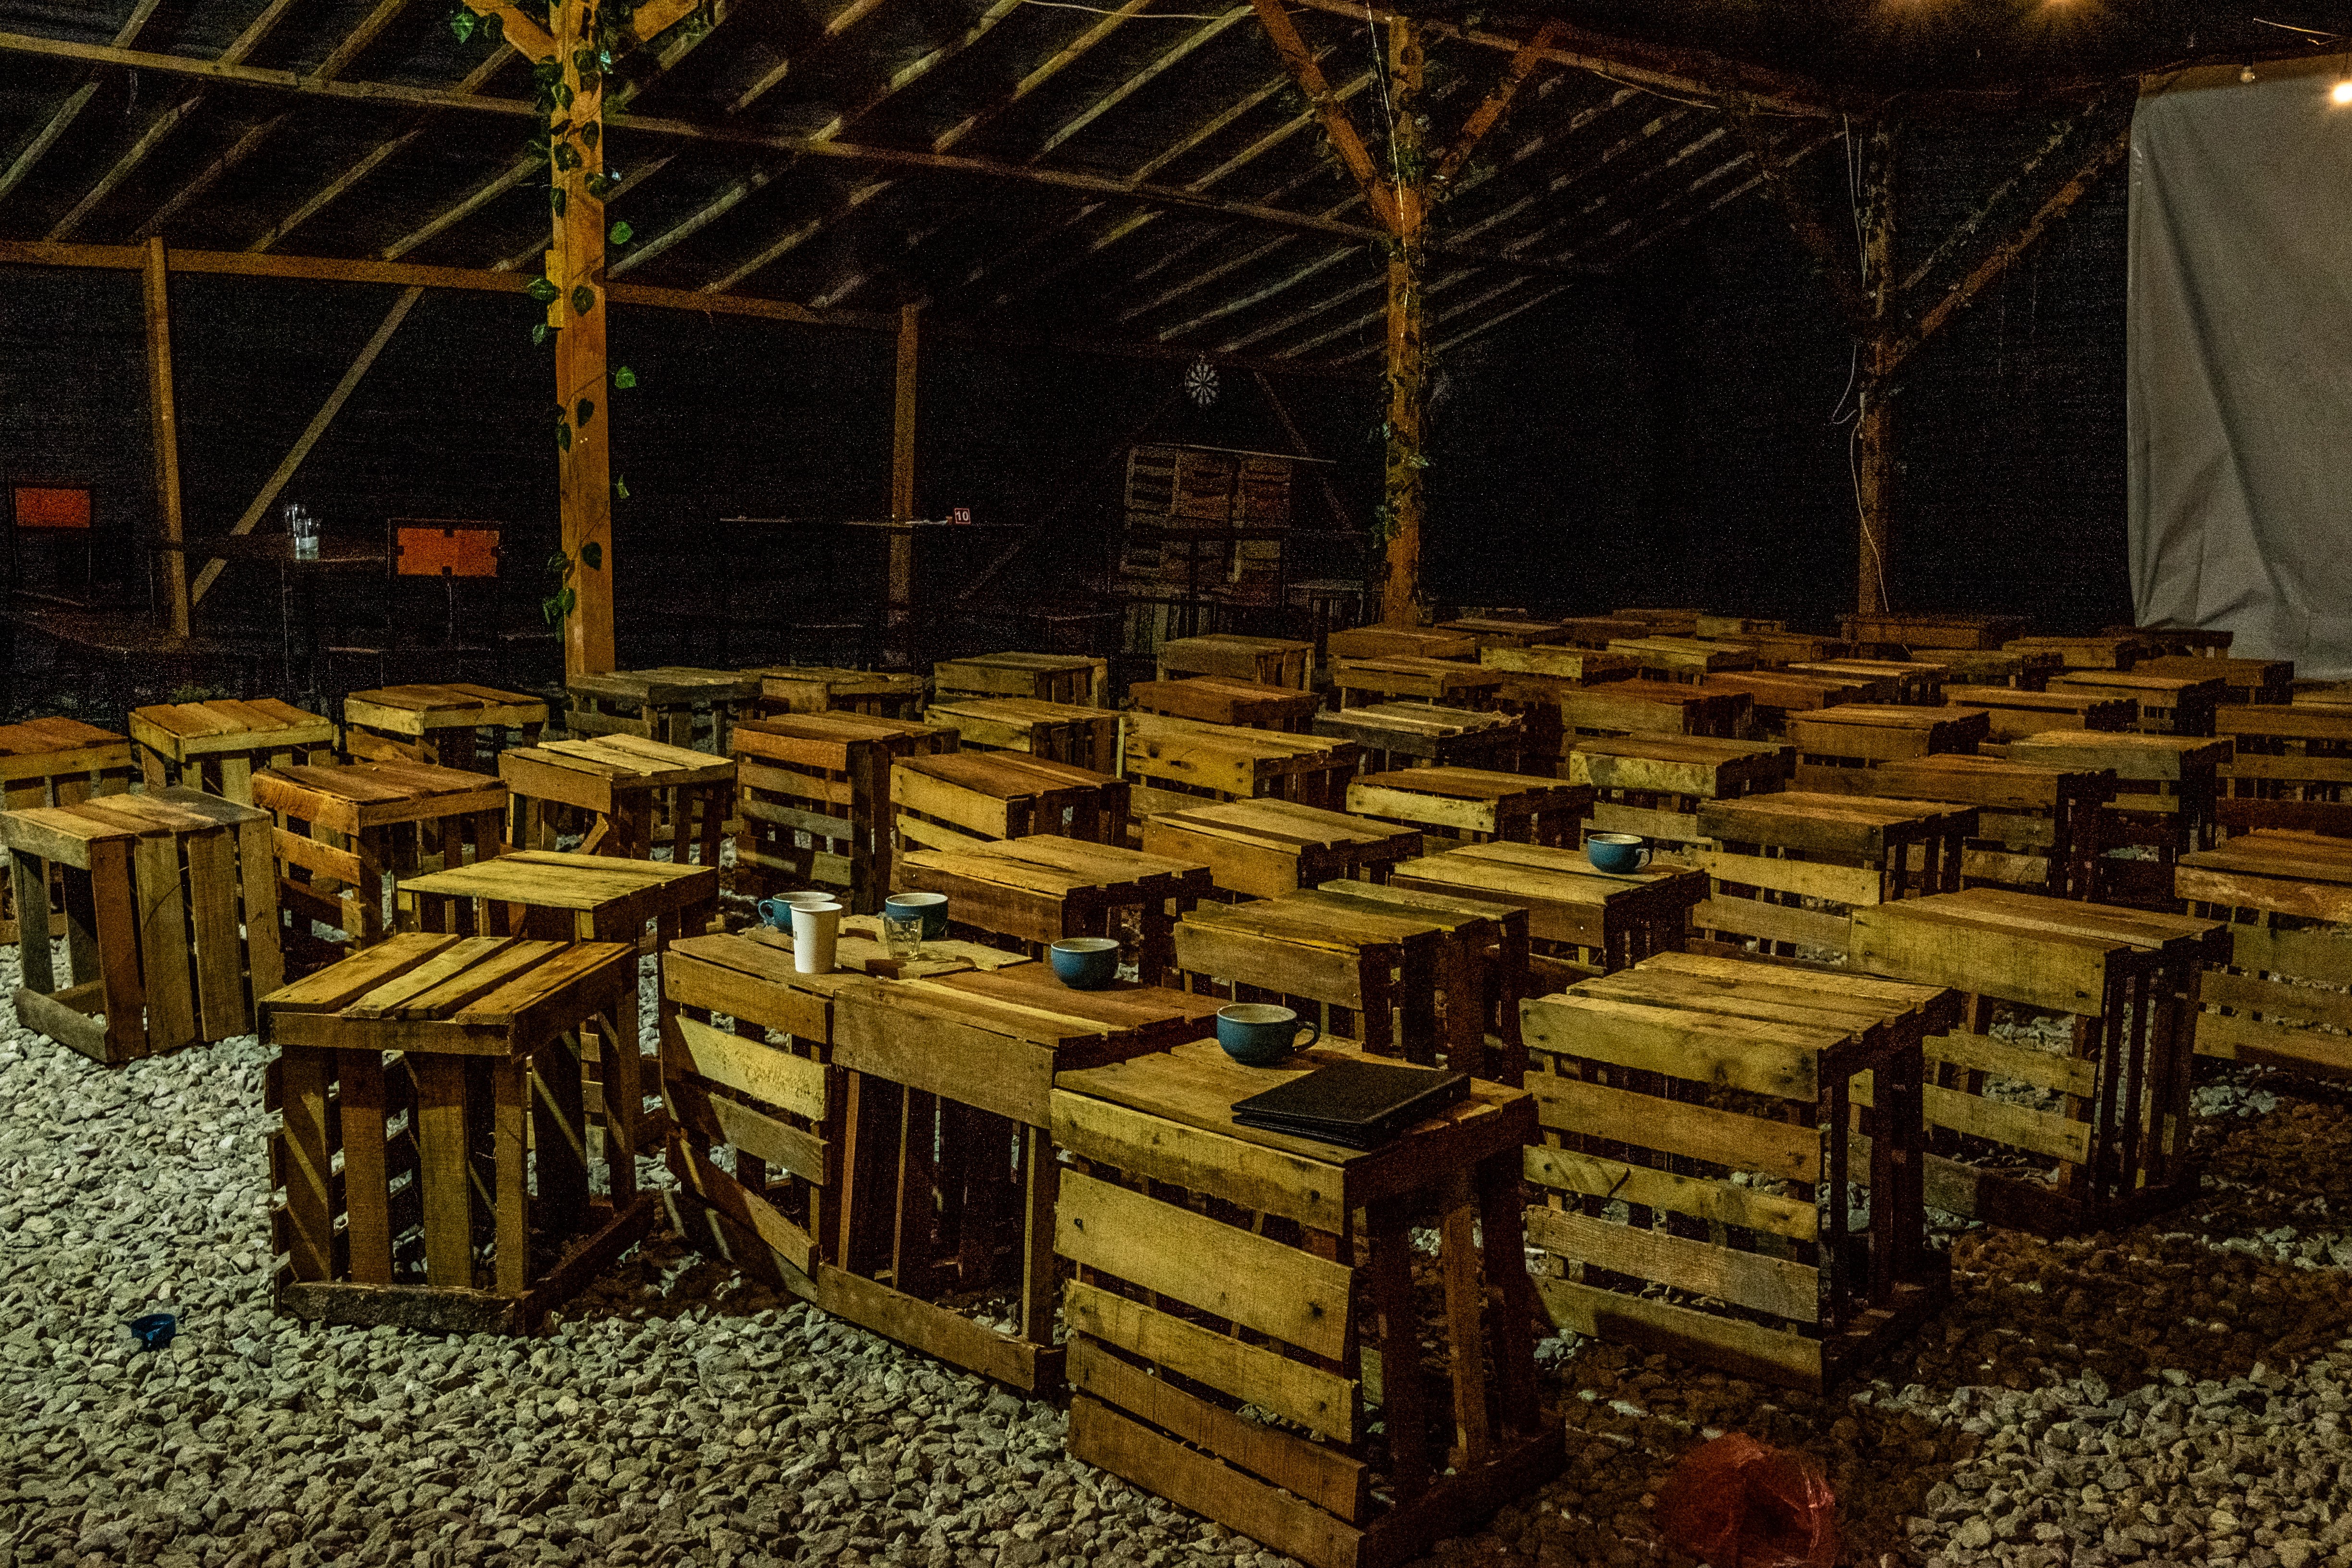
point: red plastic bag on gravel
(1736, 1503)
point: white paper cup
(816, 929)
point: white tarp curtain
(2240, 364)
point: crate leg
(117, 916)
(1404, 1396)
(444, 1172)
(30, 878)
(1500, 1224)
(622, 1069)
(311, 1222)
(911, 1244)
(870, 1163)
(510, 1084)
(163, 943)
(367, 1230)
(1040, 1185)
(559, 1127)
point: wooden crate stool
(2190, 641)
(346, 834)
(1213, 699)
(1860, 734)
(1370, 972)
(681, 707)
(821, 689)
(454, 726)
(1580, 921)
(1471, 805)
(1264, 662)
(1536, 680)
(2010, 671)
(1386, 641)
(2106, 650)
(556, 897)
(814, 794)
(1779, 649)
(1233, 1263)
(1653, 784)
(1083, 736)
(2169, 704)
(1775, 694)
(1069, 680)
(1683, 659)
(1481, 970)
(1576, 666)
(1933, 629)
(1787, 870)
(2289, 766)
(1400, 734)
(1908, 682)
(1177, 762)
(2165, 791)
(1038, 889)
(1456, 683)
(1680, 621)
(171, 916)
(2244, 680)
(217, 746)
(965, 799)
(627, 793)
(2284, 1001)
(1263, 848)
(1651, 708)
(1505, 631)
(2038, 828)
(2011, 714)
(2102, 1126)
(54, 761)
(476, 1041)
(1804, 1285)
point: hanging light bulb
(2343, 92)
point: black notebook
(1360, 1105)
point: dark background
(1669, 434)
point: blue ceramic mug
(1085, 962)
(1616, 853)
(776, 914)
(932, 907)
(1261, 1034)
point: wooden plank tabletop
(549, 879)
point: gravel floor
(2171, 1394)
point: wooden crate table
(1261, 661)
(1932, 630)
(454, 725)
(345, 834)
(1059, 677)
(814, 794)
(1040, 887)
(2244, 680)
(1651, 708)
(2105, 650)
(1386, 641)
(476, 1041)
(2011, 714)
(1399, 734)
(217, 746)
(1774, 694)
(1370, 972)
(2190, 641)
(1580, 921)
(171, 917)
(1473, 804)
(1576, 666)
(2289, 767)
(1213, 699)
(961, 800)
(1860, 734)
(1787, 870)
(1748, 1204)
(1597, 632)
(2094, 1135)
(54, 761)
(1481, 970)
(1504, 631)
(1177, 757)
(1456, 683)
(632, 794)
(678, 706)
(1231, 1262)
(1086, 737)
(2018, 671)
(2166, 790)
(1777, 650)
(2284, 1001)
(1905, 681)
(1684, 659)
(2038, 828)
(1653, 785)
(2169, 704)
(823, 688)
(1263, 848)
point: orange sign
(420, 550)
(45, 508)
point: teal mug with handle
(1261, 1034)
(1616, 853)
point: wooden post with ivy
(1402, 501)
(576, 268)
(1875, 465)
(898, 641)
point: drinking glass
(902, 935)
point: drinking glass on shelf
(902, 935)
(303, 528)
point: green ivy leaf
(600, 186)
(620, 234)
(555, 199)
(592, 555)
(584, 412)
(583, 300)
(493, 29)
(563, 437)
(564, 93)
(567, 156)
(621, 488)
(624, 378)
(543, 290)
(538, 333)
(461, 22)
(590, 133)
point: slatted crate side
(774, 1103)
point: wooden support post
(898, 651)
(165, 417)
(1874, 466)
(577, 268)
(1407, 276)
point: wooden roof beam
(1328, 109)
(76, 102)
(1496, 104)
(1833, 257)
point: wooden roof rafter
(66, 113)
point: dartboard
(1200, 382)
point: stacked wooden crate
(2289, 767)
(814, 796)
(2103, 651)
(1910, 681)
(1684, 659)
(1400, 734)
(1083, 734)
(1386, 641)
(1580, 920)
(2244, 680)
(1653, 785)
(1267, 661)
(1077, 681)
(2038, 828)
(2010, 713)
(1213, 699)
(2167, 789)
(1788, 870)
(1932, 631)
(955, 800)
(2284, 999)
(1860, 735)
(1174, 758)
(54, 761)
(819, 688)
(2169, 704)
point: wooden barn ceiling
(1142, 175)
